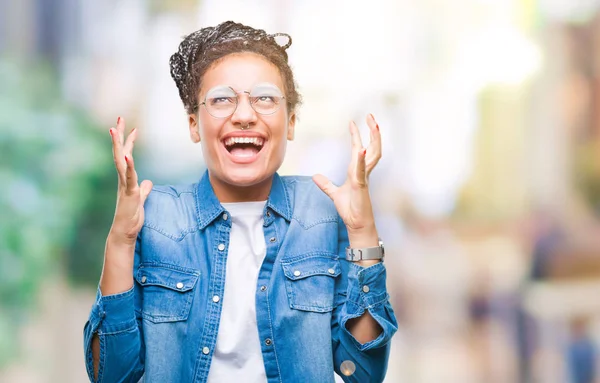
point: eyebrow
(224, 86)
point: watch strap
(365, 254)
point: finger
(145, 189)
(356, 146)
(325, 185)
(355, 134)
(129, 143)
(120, 164)
(361, 174)
(131, 176)
(121, 128)
(374, 149)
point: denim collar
(208, 207)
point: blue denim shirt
(165, 327)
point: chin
(245, 177)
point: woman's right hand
(117, 273)
(129, 213)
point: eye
(221, 100)
(268, 99)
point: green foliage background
(57, 192)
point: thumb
(325, 185)
(145, 189)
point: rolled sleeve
(113, 313)
(112, 319)
(367, 292)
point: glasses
(222, 101)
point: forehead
(241, 71)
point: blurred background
(487, 197)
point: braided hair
(200, 49)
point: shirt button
(331, 271)
(221, 247)
(225, 217)
(216, 298)
(144, 279)
(347, 367)
(205, 350)
(366, 289)
(263, 288)
(273, 239)
(268, 342)
(297, 273)
(268, 213)
(179, 285)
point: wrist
(119, 253)
(367, 263)
(118, 240)
(364, 237)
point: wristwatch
(366, 254)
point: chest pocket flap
(310, 282)
(167, 291)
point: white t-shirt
(238, 356)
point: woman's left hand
(352, 199)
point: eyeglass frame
(281, 98)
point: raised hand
(129, 213)
(352, 199)
(117, 273)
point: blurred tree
(161, 6)
(58, 192)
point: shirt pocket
(310, 282)
(167, 291)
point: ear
(291, 127)
(194, 131)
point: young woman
(245, 276)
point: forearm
(96, 355)
(364, 328)
(117, 272)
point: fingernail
(126, 159)
(373, 118)
(364, 151)
(118, 119)
(110, 131)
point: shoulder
(310, 206)
(170, 194)
(171, 209)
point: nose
(244, 114)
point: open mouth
(244, 146)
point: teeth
(244, 140)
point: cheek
(209, 139)
(281, 147)
(208, 128)
(279, 126)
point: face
(235, 165)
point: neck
(227, 193)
